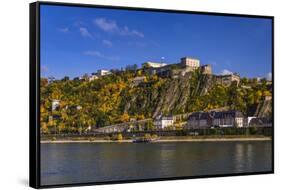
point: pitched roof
(232, 113)
(199, 115)
(214, 114)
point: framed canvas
(122, 94)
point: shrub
(154, 136)
(147, 136)
(119, 137)
(212, 131)
(253, 130)
(91, 139)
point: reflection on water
(239, 157)
(94, 162)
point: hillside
(114, 99)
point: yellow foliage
(147, 136)
(42, 109)
(139, 73)
(51, 123)
(61, 127)
(125, 117)
(140, 117)
(154, 136)
(266, 93)
(145, 79)
(119, 137)
(44, 128)
(154, 77)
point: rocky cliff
(171, 96)
(264, 109)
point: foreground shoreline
(161, 140)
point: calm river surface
(98, 162)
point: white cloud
(137, 33)
(85, 33)
(112, 27)
(106, 25)
(107, 43)
(226, 72)
(101, 55)
(64, 30)
(269, 76)
(125, 31)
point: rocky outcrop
(171, 97)
(264, 109)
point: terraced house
(228, 119)
(231, 118)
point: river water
(100, 162)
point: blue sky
(75, 41)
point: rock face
(264, 109)
(171, 97)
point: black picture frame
(34, 92)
